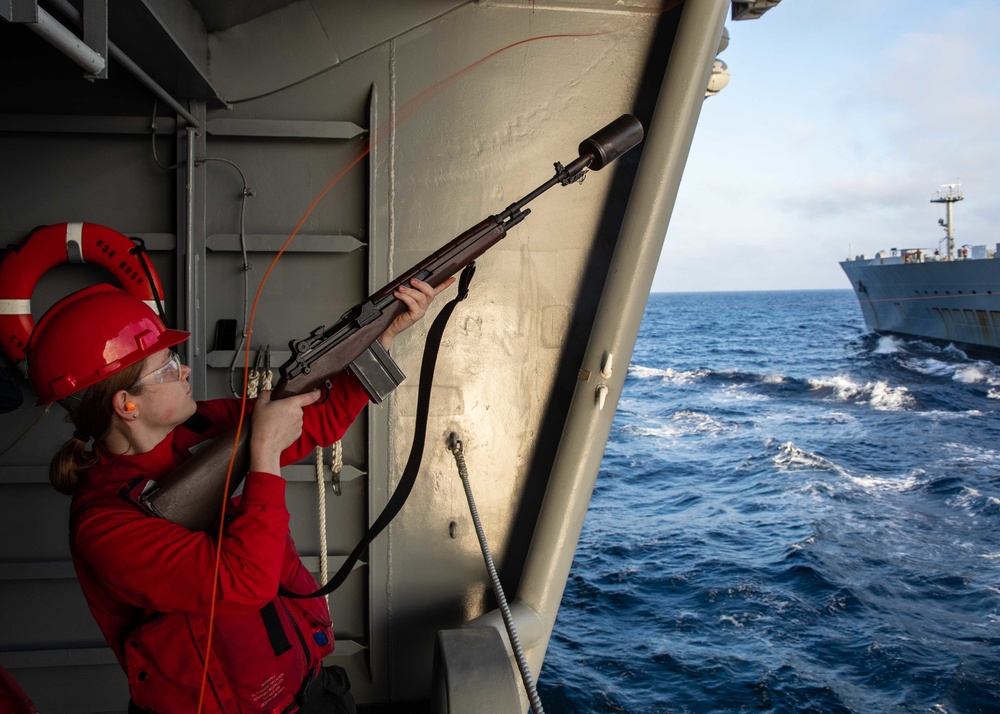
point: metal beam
(284, 128)
(95, 30)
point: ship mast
(948, 195)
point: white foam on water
(930, 367)
(792, 458)
(955, 352)
(876, 483)
(886, 398)
(879, 394)
(887, 345)
(682, 423)
(970, 374)
(977, 455)
(970, 499)
(737, 393)
(667, 375)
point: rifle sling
(412, 468)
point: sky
(840, 121)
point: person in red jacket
(150, 583)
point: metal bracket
(19, 10)
(95, 31)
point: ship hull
(956, 302)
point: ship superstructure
(948, 296)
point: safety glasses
(169, 372)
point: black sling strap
(412, 468)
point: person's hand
(417, 299)
(276, 426)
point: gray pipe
(190, 263)
(66, 42)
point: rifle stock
(192, 494)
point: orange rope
(243, 402)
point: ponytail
(91, 420)
(69, 464)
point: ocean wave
(889, 345)
(974, 374)
(879, 394)
(869, 483)
(965, 372)
(789, 457)
(667, 375)
(929, 366)
(735, 377)
(972, 500)
(971, 454)
(682, 423)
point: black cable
(140, 250)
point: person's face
(166, 391)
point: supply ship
(949, 296)
(210, 131)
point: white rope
(324, 574)
(336, 464)
(252, 384)
(337, 458)
(508, 619)
(266, 379)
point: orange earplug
(130, 406)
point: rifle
(191, 494)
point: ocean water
(791, 516)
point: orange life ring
(53, 245)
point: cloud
(839, 123)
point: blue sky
(840, 121)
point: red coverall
(149, 582)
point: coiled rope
(455, 446)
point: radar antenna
(948, 194)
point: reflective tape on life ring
(54, 245)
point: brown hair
(91, 419)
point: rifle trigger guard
(325, 390)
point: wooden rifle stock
(192, 494)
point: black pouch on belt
(328, 693)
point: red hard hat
(89, 335)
